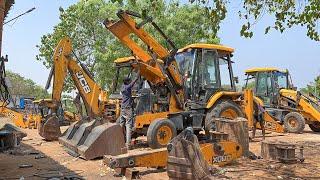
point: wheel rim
(164, 135)
(229, 113)
(293, 122)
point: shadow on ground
(29, 163)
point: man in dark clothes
(259, 119)
(126, 117)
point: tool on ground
(10, 135)
(284, 152)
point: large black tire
(294, 122)
(315, 126)
(160, 132)
(219, 111)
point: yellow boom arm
(125, 27)
(87, 87)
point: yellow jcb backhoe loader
(188, 87)
(65, 117)
(289, 108)
(18, 118)
(92, 136)
(170, 104)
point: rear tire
(294, 122)
(160, 133)
(315, 126)
(226, 109)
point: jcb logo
(83, 82)
(223, 158)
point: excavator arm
(88, 89)
(126, 26)
(84, 137)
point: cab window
(208, 70)
(262, 86)
(281, 81)
(224, 74)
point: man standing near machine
(126, 116)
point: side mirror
(236, 79)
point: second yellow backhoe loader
(92, 136)
(289, 108)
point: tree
(313, 88)
(25, 87)
(286, 14)
(97, 48)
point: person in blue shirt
(126, 115)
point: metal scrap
(25, 165)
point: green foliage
(313, 87)
(97, 48)
(67, 103)
(251, 85)
(25, 87)
(286, 13)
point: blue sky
(20, 38)
(291, 50)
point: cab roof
(207, 46)
(263, 69)
(191, 46)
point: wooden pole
(2, 11)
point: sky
(21, 37)
(291, 50)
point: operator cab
(206, 69)
(267, 82)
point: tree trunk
(237, 130)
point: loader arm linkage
(126, 26)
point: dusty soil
(50, 160)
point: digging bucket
(50, 128)
(93, 139)
(185, 159)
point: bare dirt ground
(50, 160)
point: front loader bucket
(185, 158)
(50, 128)
(93, 139)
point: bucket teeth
(93, 139)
